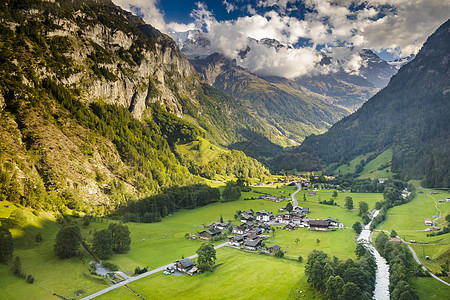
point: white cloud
(151, 14)
(400, 30)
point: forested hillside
(92, 104)
(411, 116)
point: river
(382, 275)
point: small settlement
(254, 227)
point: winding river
(382, 275)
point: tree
(360, 250)
(393, 233)
(289, 207)
(304, 197)
(363, 208)
(102, 244)
(317, 241)
(206, 257)
(6, 244)
(67, 241)
(17, 266)
(221, 218)
(447, 218)
(349, 202)
(335, 194)
(333, 287)
(403, 291)
(120, 237)
(17, 219)
(231, 192)
(357, 227)
(381, 241)
(279, 253)
(297, 240)
(300, 258)
(350, 291)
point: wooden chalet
(184, 265)
(252, 244)
(209, 234)
(236, 240)
(274, 248)
(318, 224)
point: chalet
(236, 240)
(428, 222)
(394, 239)
(283, 219)
(296, 220)
(274, 248)
(264, 216)
(305, 210)
(333, 222)
(223, 226)
(257, 230)
(311, 193)
(184, 265)
(240, 229)
(251, 236)
(290, 227)
(248, 212)
(246, 218)
(209, 234)
(318, 224)
(252, 244)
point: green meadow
(157, 244)
(408, 221)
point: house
(283, 219)
(428, 222)
(251, 236)
(209, 234)
(184, 265)
(264, 216)
(257, 230)
(274, 248)
(252, 244)
(305, 210)
(246, 218)
(290, 227)
(236, 240)
(223, 226)
(296, 219)
(394, 239)
(382, 180)
(248, 212)
(312, 193)
(333, 222)
(318, 224)
(240, 229)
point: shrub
(30, 279)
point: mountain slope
(288, 111)
(410, 116)
(93, 102)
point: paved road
(131, 279)
(435, 205)
(294, 200)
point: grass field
(371, 168)
(430, 289)
(161, 243)
(408, 221)
(240, 275)
(350, 168)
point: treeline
(343, 280)
(152, 209)
(400, 267)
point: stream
(382, 275)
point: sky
(391, 28)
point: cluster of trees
(400, 266)
(68, 241)
(153, 208)
(342, 279)
(114, 239)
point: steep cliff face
(86, 96)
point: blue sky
(391, 28)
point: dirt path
(131, 279)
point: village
(253, 230)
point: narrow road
(435, 205)
(294, 200)
(131, 279)
(423, 267)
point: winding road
(134, 278)
(294, 200)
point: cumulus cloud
(396, 26)
(147, 9)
